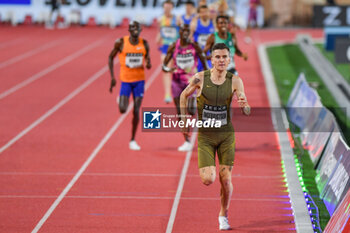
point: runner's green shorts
(210, 143)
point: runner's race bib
(219, 113)
(134, 60)
(202, 39)
(169, 32)
(185, 61)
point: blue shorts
(164, 48)
(137, 88)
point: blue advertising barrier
(332, 33)
(330, 157)
(295, 89)
(302, 103)
(315, 139)
(322, 138)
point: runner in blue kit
(189, 14)
(169, 33)
(201, 29)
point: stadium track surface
(119, 190)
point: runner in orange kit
(133, 50)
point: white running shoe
(133, 145)
(167, 99)
(223, 224)
(187, 146)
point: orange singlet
(131, 61)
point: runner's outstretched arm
(118, 45)
(167, 59)
(237, 86)
(178, 21)
(147, 56)
(193, 26)
(196, 83)
(238, 51)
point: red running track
(121, 190)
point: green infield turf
(287, 62)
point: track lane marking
(128, 175)
(91, 157)
(144, 197)
(180, 186)
(9, 43)
(31, 53)
(65, 100)
(51, 68)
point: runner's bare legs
(123, 106)
(226, 188)
(167, 82)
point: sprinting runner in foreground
(224, 36)
(132, 52)
(215, 88)
(185, 55)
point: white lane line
(235, 176)
(55, 108)
(142, 198)
(30, 53)
(50, 68)
(300, 210)
(90, 158)
(87, 174)
(180, 186)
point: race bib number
(185, 61)
(219, 113)
(134, 60)
(202, 39)
(169, 32)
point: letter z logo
(332, 12)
